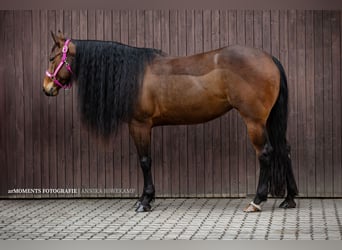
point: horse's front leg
(141, 134)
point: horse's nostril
(48, 93)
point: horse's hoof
(252, 207)
(142, 208)
(288, 204)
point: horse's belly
(191, 111)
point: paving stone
(171, 219)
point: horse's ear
(60, 38)
(54, 37)
(61, 35)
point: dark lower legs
(292, 190)
(265, 160)
(141, 133)
(148, 195)
(263, 148)
(269, 165)
(264, 176)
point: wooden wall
(43, 143)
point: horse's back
(235, 58)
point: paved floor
(170, 219)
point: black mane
(109, 76)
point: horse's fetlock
(149, 190)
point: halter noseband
(60, 65)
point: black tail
(281, 168)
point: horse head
(59, 72)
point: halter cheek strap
(60, 65)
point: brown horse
(146, 88)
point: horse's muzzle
(50, 92)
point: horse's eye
(53, 58)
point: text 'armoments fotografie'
(71, 191)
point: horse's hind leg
(141, 134)
(263, 148)
(292, 190)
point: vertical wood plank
(93, 142)
(182, 132)
(233, 136)
(319, 105)
(275, 33)
(327, 105)
(52, 119)
(3, 115)
(44, 105)
(60, 122)
(340, 169)
(284, 57)
(216, 139)
(199, 129)
(28, 88)
(190, 50)
(94, 146)
(301, 114)
(250, 158)
(140, 43)
(284, 39)
(36, 96)
(258, 35)
(10, 58)
(174, 130)
(241, 127)
(76, 129)
(19, 98)
(116, 27)
(68, 116)
(68, 124)
(336, 100)
(225, 165)
(85, 140)
(165, 46)
(157, 132)
(101, 151)
(125, 149)
(293, 95)
(208, 127)
(310, 103)
(109, 155)
(266, 31)
(133, 156)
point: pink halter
(60, 65)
